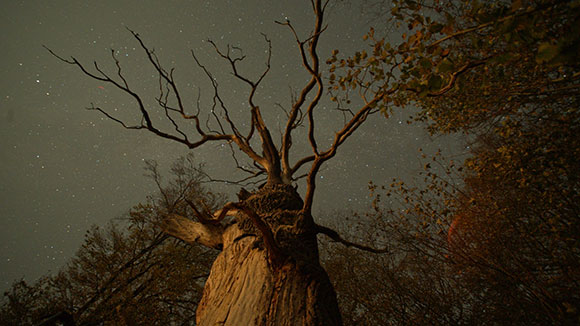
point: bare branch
(337, 238)
(270, 160)
(315, 73)
(260, 170)
(162, 100)
(339, 138)
(162, 73)
(241, 182)
(146, 119)
(267, 70)
(300, 163)
(313, 68)
(204, 217)
(240, 140)
(234, 60)
(113, 118)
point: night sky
(64, 168)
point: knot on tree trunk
(277, 205)
(280, 208)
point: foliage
(412, 285)
(507, 74)
(488, 59)
(128, 273)
(514, 83)
(458, 254)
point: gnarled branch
(312, 67)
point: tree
(521, 185)
(268, 272)
(505, 73)
(413, 285)
(128, 273)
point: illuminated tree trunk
(252, 283)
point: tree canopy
(129, 272)
(504, 225)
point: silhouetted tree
(128, 273)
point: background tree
(128, 273)
(507, 75)
(414, 284)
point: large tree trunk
(243, 289)
(247, 286)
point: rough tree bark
(268, 272)
(252, 283)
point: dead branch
(337, 238)
(167, 89)
(313, 69)
(169, 79)
(257, 122)
(315, 72)
(339, 138)
(255, 178)
(209, 235)
(122, 85)
(242, 142)
(270, 161)
(204, 216)
(208, 231)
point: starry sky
(64, 168)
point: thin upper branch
(146, 122)
(310, 61)
(339, 138)
(167, 88)
(270, 160)
(169, 79)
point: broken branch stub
(209, 235)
